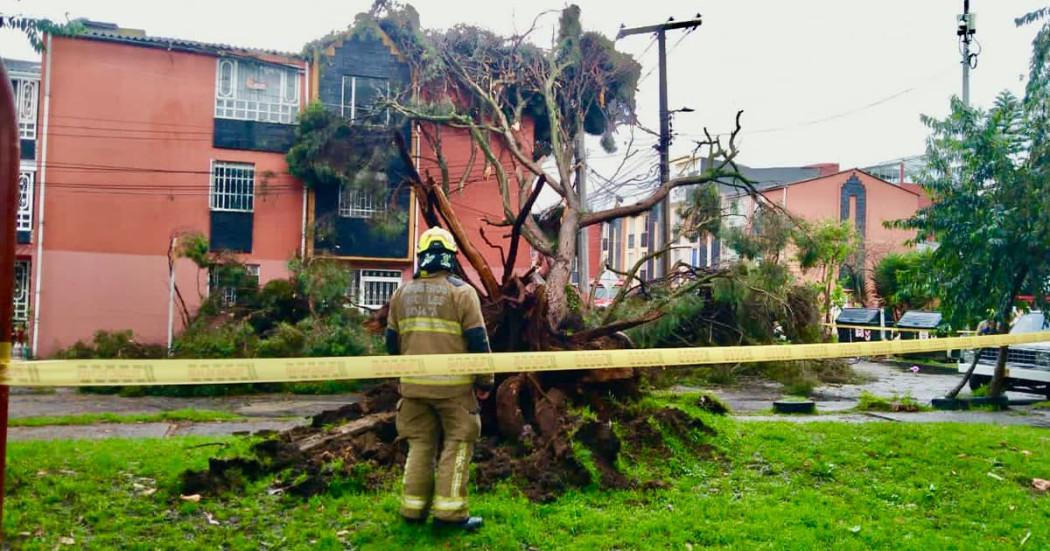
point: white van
(1027, 365)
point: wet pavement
(263, 412)
(67, 401)
(753, 400)
(149, 430)
(1018, 416)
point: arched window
(226, 78)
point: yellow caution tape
(273, 370)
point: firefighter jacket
(437, 314)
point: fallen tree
(521, 110)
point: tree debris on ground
(357, 446)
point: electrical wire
(835, 116)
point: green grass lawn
(191, 415)
(773, 486)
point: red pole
(8, 213)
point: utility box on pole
(967, 28)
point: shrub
(871, 402)
(112, 344)
(215, 339)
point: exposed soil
(357, 446)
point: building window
(26, 94)
(616, 245)
(218, 283)
(630, 241)
(24, 220)
(605, 244)
(232, 186)
(360, 95)
(373, 288)
(254, 91)
(645, 231)
(360, 204)
(20, 299)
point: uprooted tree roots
(357, 446)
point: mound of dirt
(359, 442)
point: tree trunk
(966, 377)
(998, 384)
(827, 295)
(561, 269)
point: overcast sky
(819, 80)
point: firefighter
(438, 313)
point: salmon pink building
(133, 143)
(864, 201)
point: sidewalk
(67, 401)
(148, 430)
(264, 412)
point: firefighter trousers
(453, 424)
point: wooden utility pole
(583, 249)
(9, 155)
(663, 212)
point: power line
(127, 121)
(835, 116)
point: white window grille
(254, 91)
(24, 220)
(232, 186)
(359, 97)
(373, 288)
(26, 96)
(228, 293)
(20, 299)
(360, 204)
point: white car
(1027, 365)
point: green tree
(35, 29)
(470, 82)
(901, 283)
(989, 178)
(825, 246)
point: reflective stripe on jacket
(435, 315)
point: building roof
(22, 67)
(770, 177)
(111, 32)
(841, 173)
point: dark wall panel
(340, 236)
(253, 136)
(231, 231)
(367, 57)
(27, 149)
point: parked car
(605, 293)
(1027, 365)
